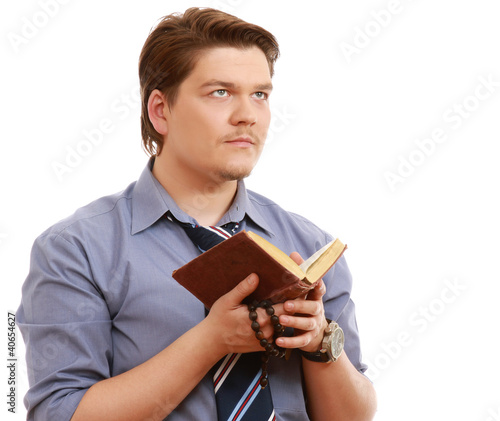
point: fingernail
(251, 280)
(289, 305)
(284, 319)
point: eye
(220, 93)
(261, 95)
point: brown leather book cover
(218, 270)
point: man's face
(218, 124)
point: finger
(301, 323)
(307, 307)
(300, 341)
(318, 291)
(308, 333)
(241, 291)
(297, 258)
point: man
(109, 334)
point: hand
(306, 316)
(229, 322)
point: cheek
(197, 128)
(206, 124)
(266, 121)
(264, 126)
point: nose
(244, 113)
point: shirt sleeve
(340, 308)
(66, 326)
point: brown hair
(173, 47)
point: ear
(157, 105)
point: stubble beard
(233, 174)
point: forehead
(233, 65)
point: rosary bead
(270, 348)
(263, 382)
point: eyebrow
(230, 85)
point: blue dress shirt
(100, 299)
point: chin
(231, 174)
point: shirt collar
(251, 210)
(150, 201)
(147, 203)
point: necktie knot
(206, 237)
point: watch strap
(317, 357)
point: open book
(218, 270)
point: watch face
(337, 343)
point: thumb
(242, 290)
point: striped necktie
(236, 377)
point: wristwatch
(331, 346)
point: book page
(281, 257)
(305, 265)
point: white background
(424, 254)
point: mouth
(241, 142)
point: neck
(201, 197)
